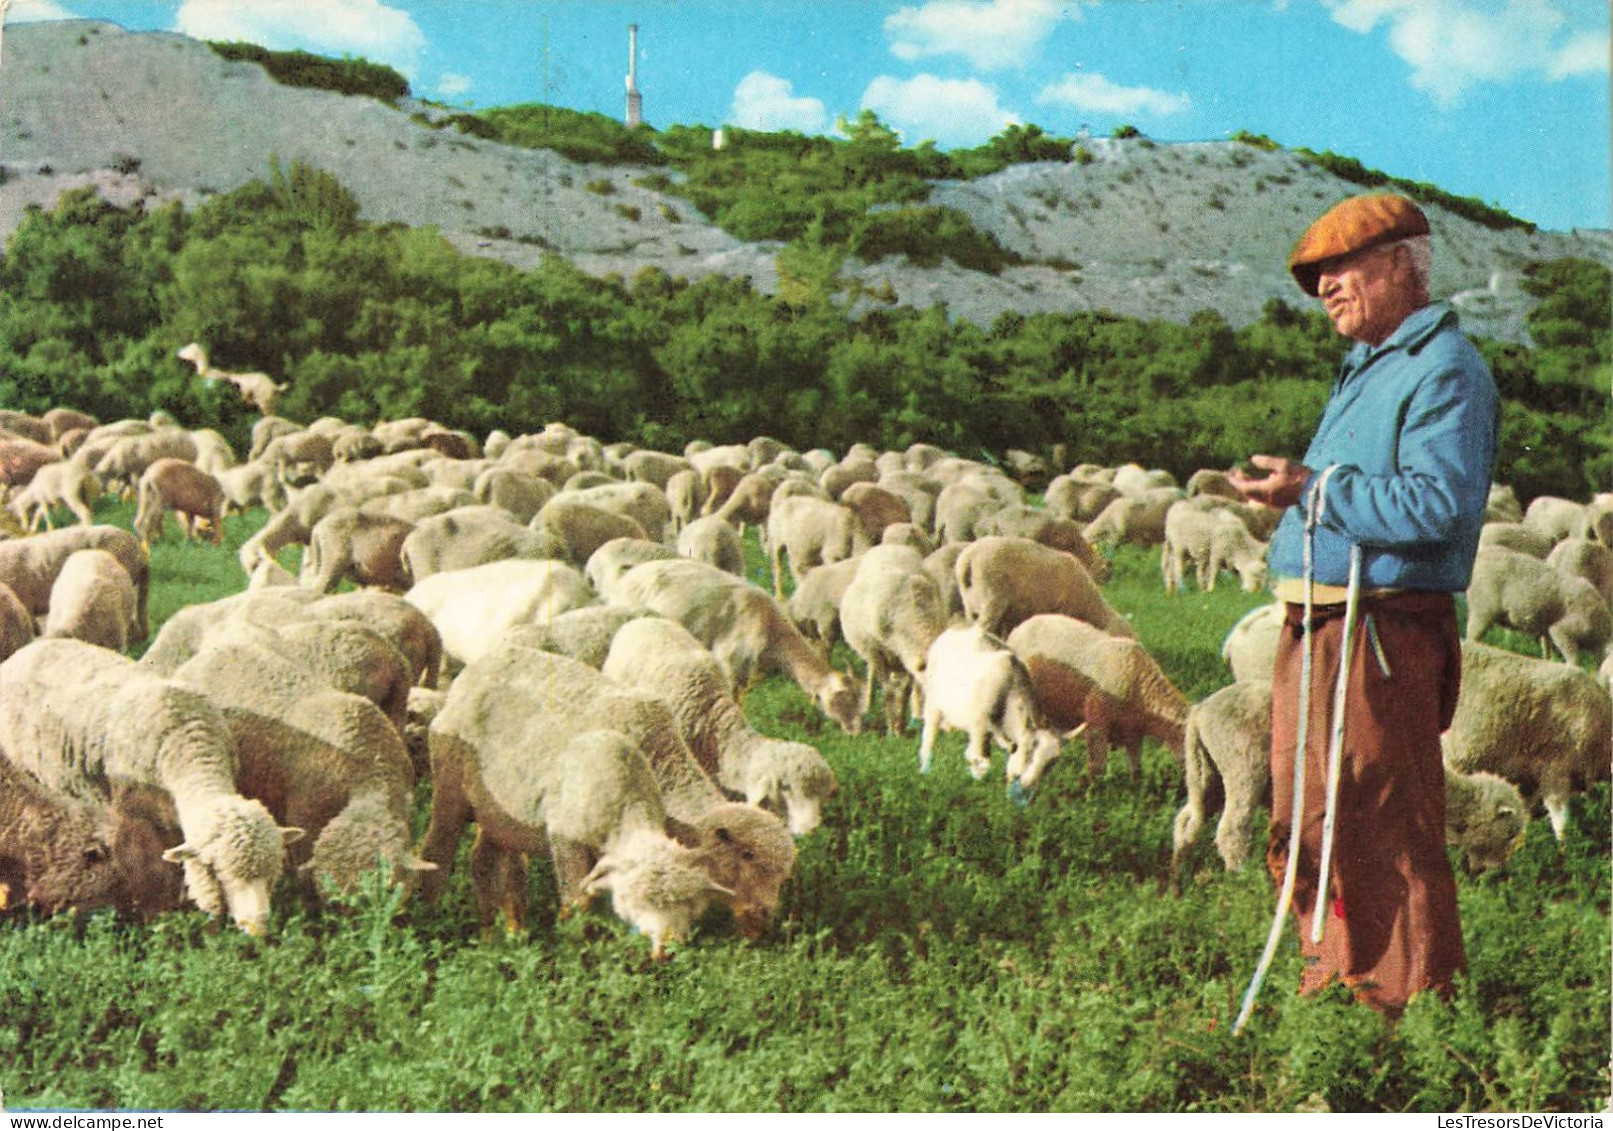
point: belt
(1292, 590)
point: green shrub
(299, 68)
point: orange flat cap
(1353, 225)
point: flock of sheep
(558, 633)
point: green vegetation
(938, 949)
(298, 68)
(1350, 169)
(370, 322)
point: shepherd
(1396, 478)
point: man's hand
(1280, 487)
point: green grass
(938, 949)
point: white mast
(635, 103)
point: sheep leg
(572, 863)
(1233, 833)
(898, 684)
(490, 872)
(977, 754)
(932, 723)
(450, 813)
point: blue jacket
(1402, 461)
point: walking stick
(1313, 514)
(1335, 749)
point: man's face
(1368, 293)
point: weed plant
(938, 949)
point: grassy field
(938, 949)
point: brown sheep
(195, 497)
(353, 543)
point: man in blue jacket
(1399, 468)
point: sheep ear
(415, 864)
(179, 854)
(600, 873)
(714, 888)
(290, 834)
(1069, 734)
(685, 834)
(95, 853)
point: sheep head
(748, 852)
(365, 834)
(233, 865)
(660, 890)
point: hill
(1143, 229)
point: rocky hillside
(1142, 229)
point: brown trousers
(1391, 928)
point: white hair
(1422, 259)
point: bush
(299, 68)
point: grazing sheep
(974, 683)
(655, 468)
(713, 541)
(1228, 736)
(1084, 675)
(30, 565)
(1583, 558)
(392, 618)
(1597, 525)
(686, 494)
(76, 718)
(471, 606)
(814, 607)
(57, 853)
(472, 536)
(1136, 519)
(749, 502)
(661, 658)
(1554, 517)
(21, 459)
(328, 761)
(1545, 727)
(257, 389)
(877, 508)
(358, 545)
(519, 493)
(1078, 500)
(644, 503)
(1003, 581)
(908, 534)
(960, 508)
(583, 528)
(747, 630)
(126, 461)
(60, 421)
(942, 566)
(608, 563)
(92, 600)
(63, 483)
(1515, 536)
(812, 532)
(891, 613)
(1526, 594)
(1018, 521)
(1502, 504)
(195, 497)
(1211, 538)
(531, 743)
(583, 634)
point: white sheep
(30, 565)
(257, 389)
(64, 483)
(1554, 517)
(76, 717)
(608, 563)
(715, 542)
(358, 545)
(661, 657)
(747, 630)
(891, 613)
(511, 749)
(814, 606)
(1582, 557)
(471, 606)
(1546, 727)
(1250, 647)
(1003, 581)
(974, 683)
(1526, 594)
(1228, 737)
(92, 600)
(811, 532)
(583, 634)
(472, 536)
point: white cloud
(366, 28)
(1096, 93)
(767, 102)
(451, 85)
(32, 11)
(1455, 45)
(990, 34)
(951, 111)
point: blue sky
(1503, 100)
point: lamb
(747, 630)
(359, 545)
(713, 541)
(663, 659)
(1111, 683)
(1003, 581)
(814, 607)
(1554, 517)
(92, 600)
(1211, 538)
(1018, 521)
(328, 761)
(583, 634)
(121, 467)
(1228, 735)
(471, 606)
(1545, 727)
(582, 528)
(57, 853)
(471, 536)
(1581, 557)
(812, 532)
(891, 613)
(608, 563)
(1250, 647)
(63, 483)
(974, 683)
(76, 718)
(512, 749)
(195, 497)
(1530, 596)
(1135, 519)
(30, 565)
(257, 389)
